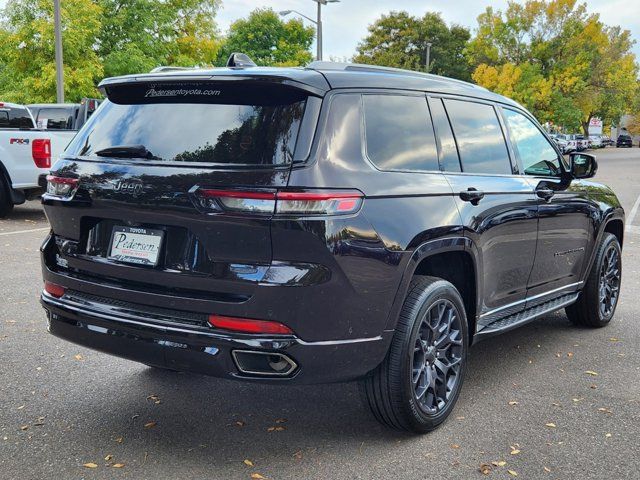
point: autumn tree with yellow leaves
(558, 60)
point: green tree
(400, 40)
(138, 35)
(561, 62)
(269, 40)
(27, 50)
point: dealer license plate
(136, 245)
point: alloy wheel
(437, 357)
(609, 287)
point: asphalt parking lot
(546, 401)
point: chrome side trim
(528, 299)
(341, 342)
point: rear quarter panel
(369, 253)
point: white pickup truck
(25, 155)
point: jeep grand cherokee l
(321, 224)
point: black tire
(6, 205)
(597, 302)
(392, 389)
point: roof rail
(171, 69)
(360, 67)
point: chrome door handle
(471, 195)
(545, 193)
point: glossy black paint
(337, 282)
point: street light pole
(58, 47)
(428, 57)
(319, 33)
(317, 22)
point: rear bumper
(208, 352)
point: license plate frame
(145, 251)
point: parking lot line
(632, 215)
(4, 234)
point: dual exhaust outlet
(263, 364)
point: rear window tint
(479, 137)
(15, 118)
(255, 127)
(55, 118)
(399, 133)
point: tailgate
(139, 166)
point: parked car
(563, 144)
(624, 140)
(25, 155)
(63, 116)
(582, 142)
(569, 142)
(596, 141)
(337, 222)
(607, 141)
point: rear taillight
(282, 202)
(54, 289)
(41, 152)
(61, 187)
(247, 325)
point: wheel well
(615, 227)
(455, 267)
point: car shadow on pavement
(160, 413)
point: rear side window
(399, 133)
(479, 137)
(15, 118)
(222, 125)
(55, 118)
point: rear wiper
(126, 151)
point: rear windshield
(11, 117)
(55, 118)
(197, 124)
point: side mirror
(583, 165)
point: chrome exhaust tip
(267, 364)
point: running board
(518, 319)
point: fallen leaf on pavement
(78, 357)
(90, 465)
(605, 410)
(298, 455)
(515, 451)
(240, 424)
(592, 373)
(570, 354)
(501, 463)
(248, 462)
(256, 476)
(108, 457)
(119, 440)
(550, 425)
(608, 435)
(24, 427)
(485, 468)
(118, 465)
(149, 424)
(455, 445)
(513, 473)
(513, 403)
(547, 469)
(275, 429)
(281, 420)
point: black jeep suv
(321, 224)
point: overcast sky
(346, 23)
